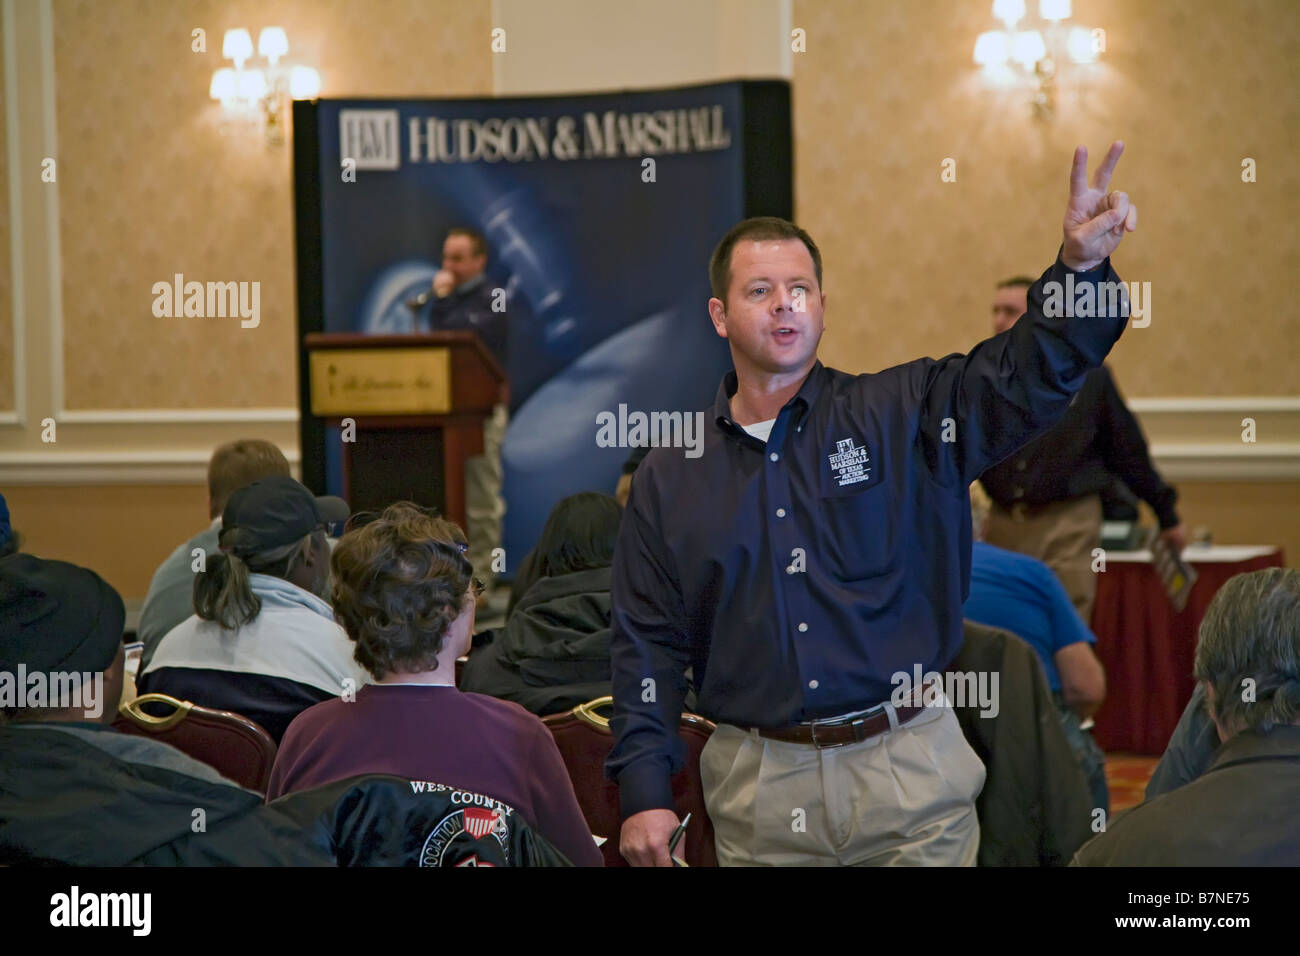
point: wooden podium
(412, 410)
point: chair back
(584, 739)
(233, 745)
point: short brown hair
(756, 228)
(239, 463)
(1015, 281)
(475, 238)
(400, 580)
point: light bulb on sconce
(1031, 56)
(265, 90)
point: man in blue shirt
(1023, 595)
(818, 548)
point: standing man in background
(818, 548)
(465, 300)
(1047, 496)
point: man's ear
(718, 313)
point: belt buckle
(812, 729)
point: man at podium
(463, 299)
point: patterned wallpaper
(154, 182)
(6, 273)
(886, 91)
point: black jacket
(1097, 441)
(553, 652)
(63, 800)
(1035, 809)
(1240, 812)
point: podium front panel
(387, 381)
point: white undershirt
(760, 430)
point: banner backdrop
(600, 213)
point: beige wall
(888, 90)
(122, 531)
(162, 188)
(154, 180)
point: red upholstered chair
(235, 746)
(584, 740)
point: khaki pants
(903, 798)
(1062, 535)
(484, 507)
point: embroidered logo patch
(473, 836)
(850, 463)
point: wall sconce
(1033, 54)
(250, 89)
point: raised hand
(1095, 219)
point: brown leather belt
(839, 733)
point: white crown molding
(112, 467)
(1224, 461)
(1227, 403)
(17, 415)
(172, 416)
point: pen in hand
(676, 838)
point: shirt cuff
(646, 785)
(1097, 271)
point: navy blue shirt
(1022, 595)
(797, 577)
(469, 307)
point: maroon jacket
(434, 733)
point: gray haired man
(1240, 812)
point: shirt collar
(800, 403)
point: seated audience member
(403, 591)
(1191, 748)
(1035, 808)
(263, 642)
(553, 652)
(72, 789)
(1022, 595)
(170, 598)
(1239, 812)
(528, 573)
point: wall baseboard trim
(112, 468)
(1226, 403)
(172, 416)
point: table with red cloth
(1147, 647)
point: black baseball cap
(275, 511)
(56, 616)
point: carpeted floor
(1127, 777)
